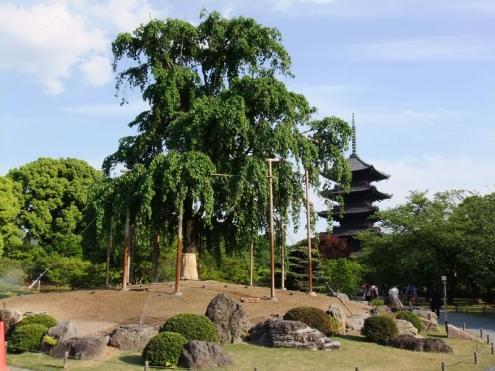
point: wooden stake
(109, 248)
(179, 256)
(66, 359)
(443, 366)
(308, 216)
(282, 254)
(272, 235)
(475, 356)
(251, 263)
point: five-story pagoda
(356, 213)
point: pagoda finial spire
(353, 135)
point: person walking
(411, 295)
(435, 300)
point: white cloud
(47, 40)
(426, 49)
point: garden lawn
(356, 352)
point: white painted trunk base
(189, 267)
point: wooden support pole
(475, 356)
(127, 240)
(282, 254)
(179, 256)
(251, 262)
(272, 234)
(109, 249)
(308, 217)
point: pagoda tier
(356, 212)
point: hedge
(164, 349)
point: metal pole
(179, 256)
(125, 268)
(272, 236)
(282, 253)
(308, 217)
(444, 279)
(251, 263)
(109, 248)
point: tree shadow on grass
(133, 359)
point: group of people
(433, 295)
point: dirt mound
(98, 310)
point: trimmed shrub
(380, 329)
(192, 327)
(40, 319)
(164, 349)
(26, 338)
(411, 317)
(377, 302)
(315, 318)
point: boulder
(393, 302)
(336, 311)
(229, 317)
(342, 296)
(10, 318)
(85, 347)
(290, 334)
(355, 322)
(428, 319)
(406, 327)
(382, 310)
(203, 354)
(410, 342)
(64, 330)
(457, 333)
(131, 337)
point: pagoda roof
(357, 165)
(349, 210)
(337, 191)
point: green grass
(356, 352)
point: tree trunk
(189, 263)
(125, 257)
(130, 272)
(155, 256)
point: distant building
(356, 213)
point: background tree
(451, 234)
(213, 89)
(10, 232)
(52, 196)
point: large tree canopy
(213, 89)
(53, 195)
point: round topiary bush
(192, 327)
(315, 318)
(380, 329)
(26, 338)
(39, 319)
(411, 317)
(164, 349)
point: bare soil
(99, 310)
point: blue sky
(419, 76)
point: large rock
(342, 296)
(457, 333)
(382, 310)
(64, 330)
(86, 347)
(10, 318)
(131, 337)
(229, 317)
(290, 334)
(356, 322)
(428, 319)
(410, 342)
(336, 311)
(203, 354)
(393, 302)
(406, 327)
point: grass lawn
(356, 352)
